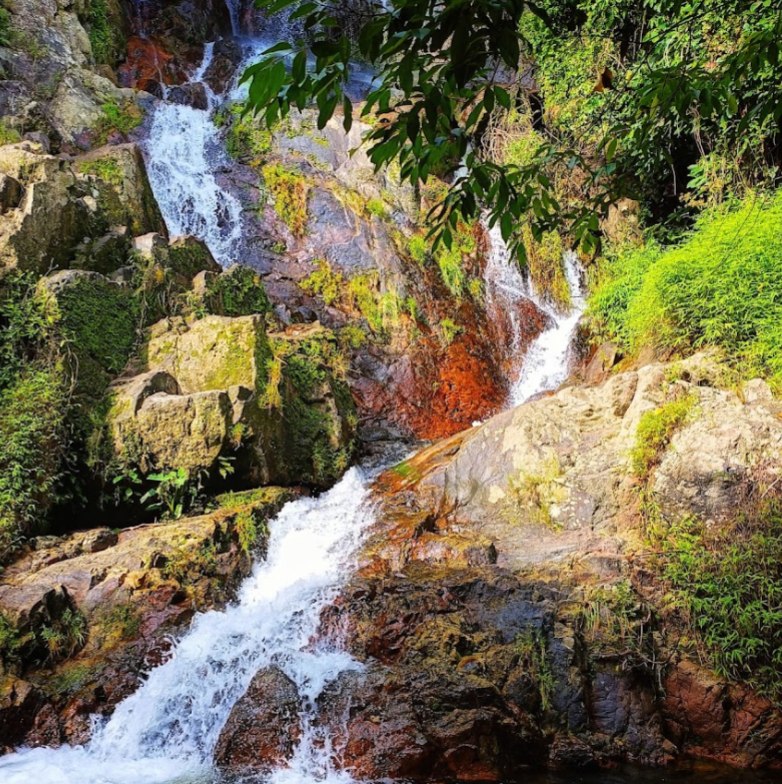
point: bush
(720, 287)
(34, 438)
(728, 588)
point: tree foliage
(677, 75)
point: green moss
(318, 452)
(72, 678)
(247, 138)
(240, 292)
(655, 431)
(106, 39)
(104, 168)
(351, 336)
(118, 117)
(324, 282)
(288, 190)
(99, 319)
(377, 207)
(449, 329)
(418, 248)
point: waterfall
(167, 730)
(545, 365)
(183, 150)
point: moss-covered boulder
(215, 352)
(119, 176)
(98, 318)
(219, 390)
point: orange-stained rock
(149, 65)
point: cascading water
(545, 365)
(167, 731)
(183, 150)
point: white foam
(167, 730)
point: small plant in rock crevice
(656, 429)
(530, 647)
(531, 496)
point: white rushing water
(545, 365)
(183, 151)
(167, 730)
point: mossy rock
(318, 439)
(125, 195)
(215, 352)
(95, 315)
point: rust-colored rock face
(264, 726)
(149, 66)
(708, 717)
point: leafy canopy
(445, 66)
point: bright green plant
(655, 431)
(288, 190)
(173, 492)
(717, 288)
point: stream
(166, 732)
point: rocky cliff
(513, 606)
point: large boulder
(215, 352)
(264, 726)
(220, 389)
(57, 214)
(125, 195)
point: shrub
(288, 190)
(727, 585)
(34, 438)
(720, 287)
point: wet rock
(133, 589)
(263, 727)
(189, 95)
